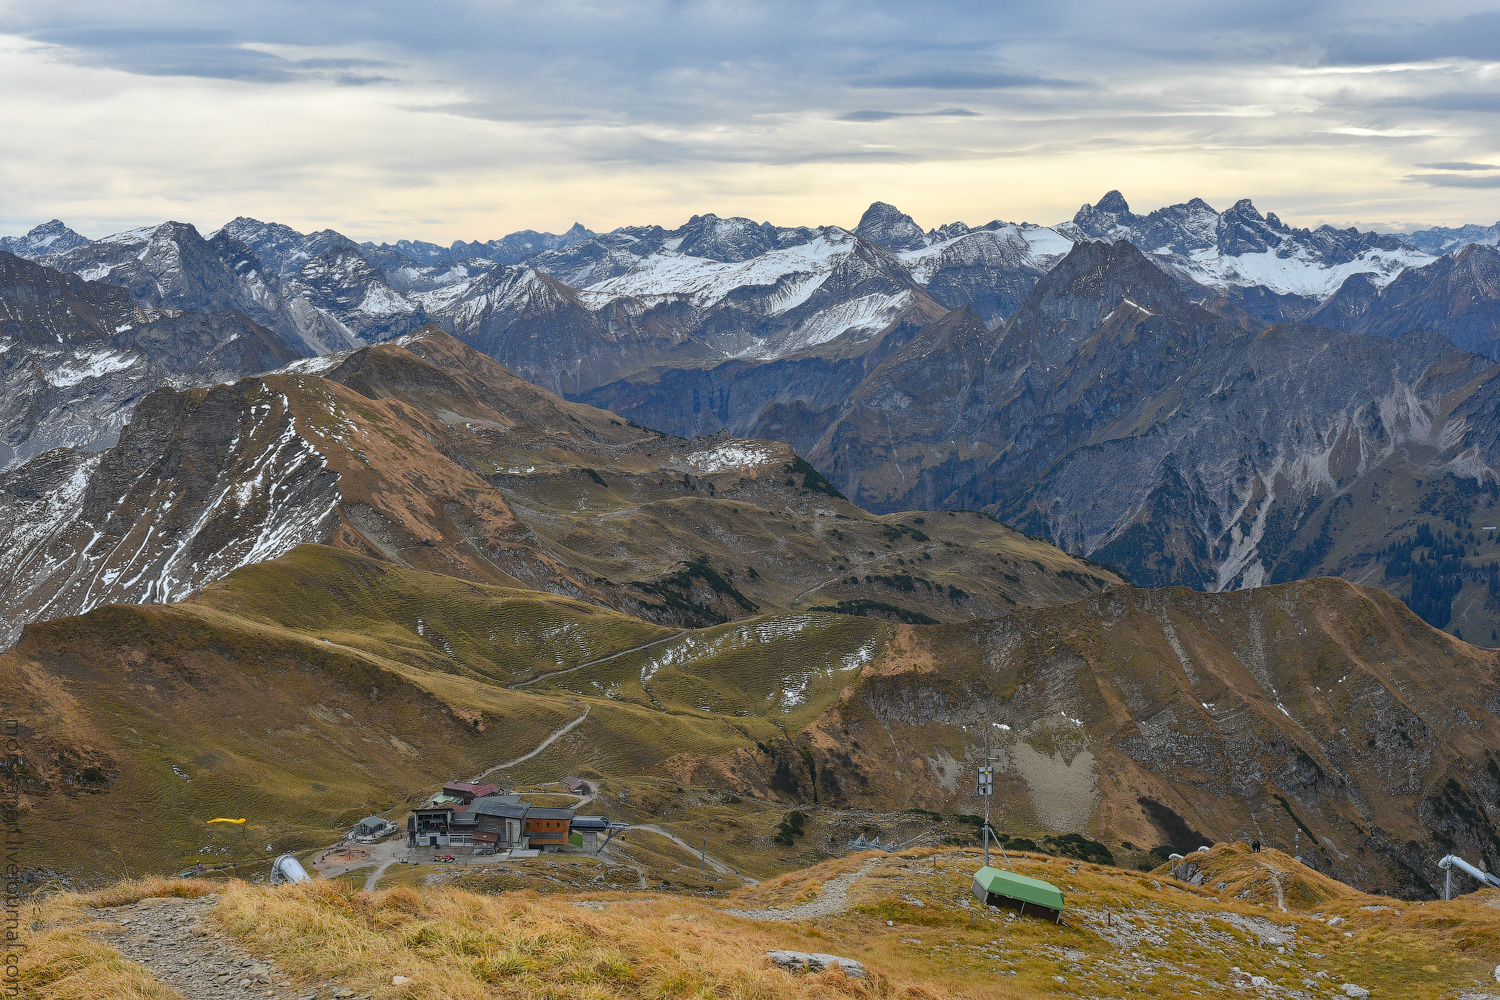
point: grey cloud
(1411, 37)
(680, 64)
(209, 54)
(670, 82)
(1459, 165)
(1456, 180)
(940, 78)
(205, 53)
(884, 116)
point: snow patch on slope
(1298, 273)
(730, 456)
(706, 282)
(85, 365)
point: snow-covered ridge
(706, 282)
(314, 366)
(1027, 245)
(725, 287)
(1297, 273)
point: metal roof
(543, 812)
(590, 823)
(495, 800)
(471, 788)
(1019, 887)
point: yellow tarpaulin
(222, 820)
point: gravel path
(178, 944)
(832, 900)
(374, 877)
(1276, 881)
(556, 735)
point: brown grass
(459, 945)
(135, 890)
(1233, 871)
(910, 921)
(66, 964)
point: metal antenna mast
(986, 790)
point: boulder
(804, 961)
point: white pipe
(290, 869)
(1174, 857)
(1453, 861)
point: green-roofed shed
(994, 886)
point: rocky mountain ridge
(1443, 239)
(1457, 295)
(428, 454)
(77, 356)
(331, 292)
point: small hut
(996, 887)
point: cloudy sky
(469, 120)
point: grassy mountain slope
(308, 691)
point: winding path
(374, 877)
(598, 659)
(556, 735)
(1276, 881)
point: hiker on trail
(1254, 847)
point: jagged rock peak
(1113, 202)
(45, 240)
(888, 226)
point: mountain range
(742, 492)
(764, 330)
(1152, 425)
(1118, 384)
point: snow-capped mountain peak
(47, 240)
(891, 228)
(1240, 248)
